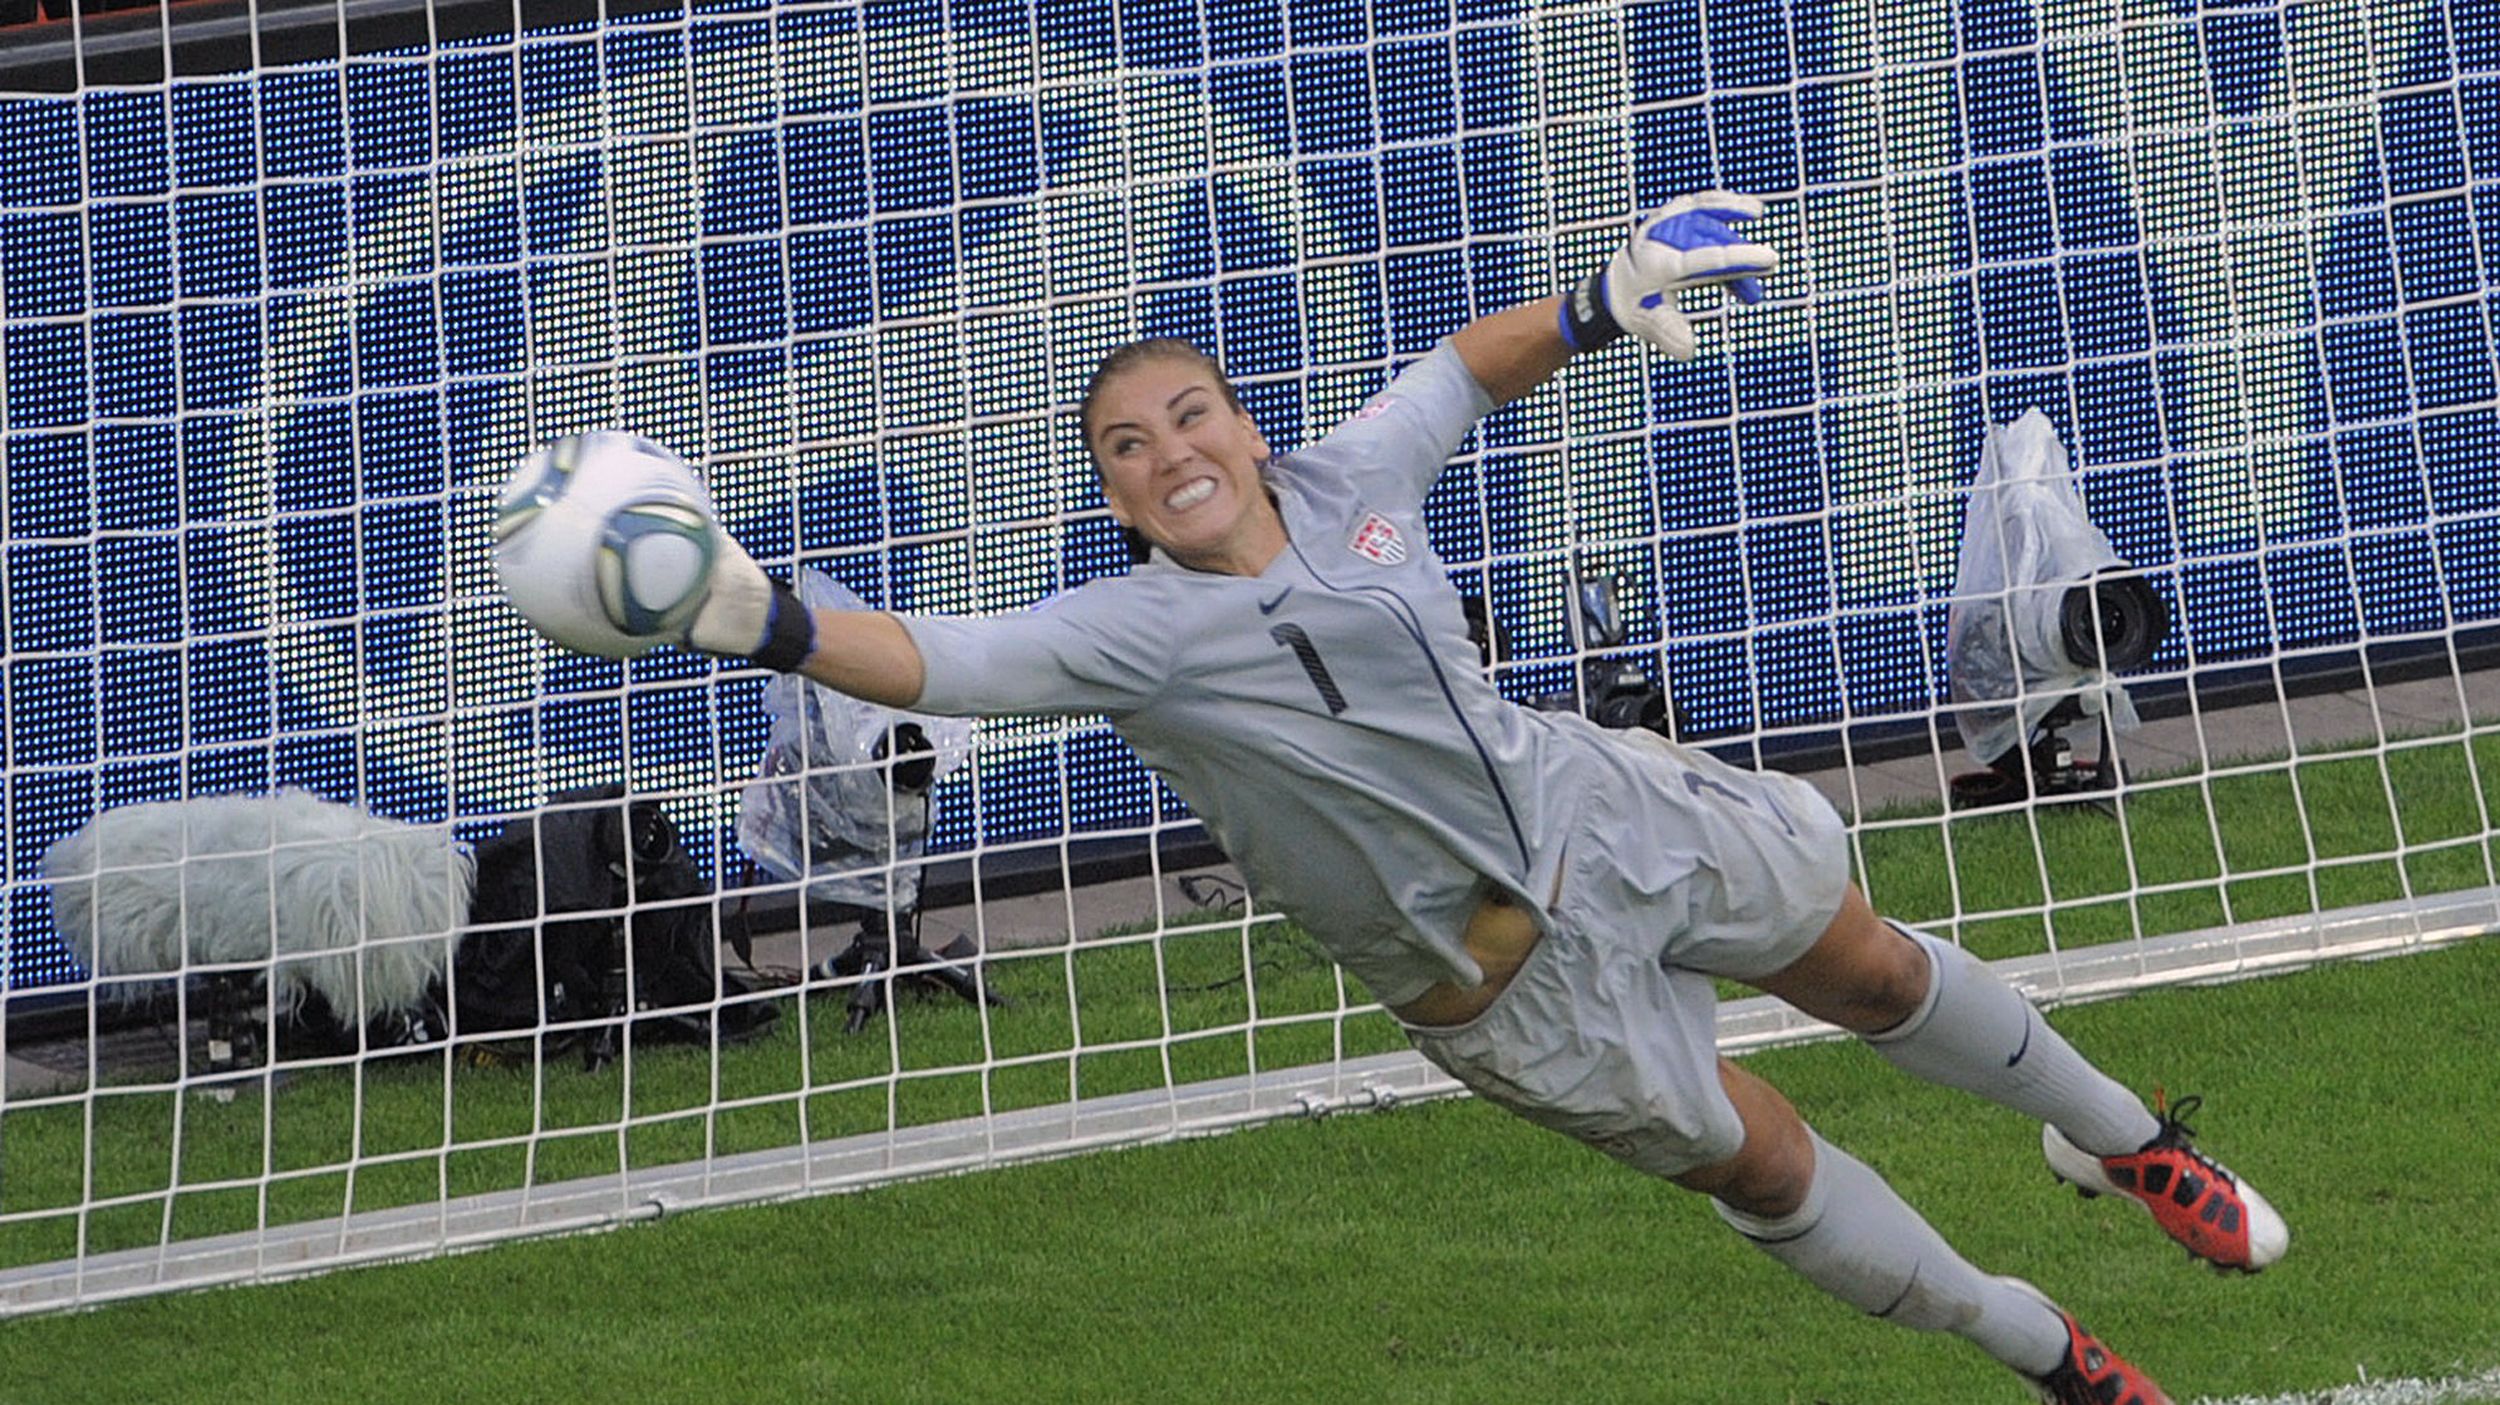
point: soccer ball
(605, 543)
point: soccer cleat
(2217, 1216)
(2092, 1374)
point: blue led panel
(271, 342)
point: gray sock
(1975, 1033)
(1858, 1241)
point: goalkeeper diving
(1542, 903)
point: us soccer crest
(1378, 540)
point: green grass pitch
(1437, 1253)
(1448, 1253)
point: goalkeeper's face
(1180, 463)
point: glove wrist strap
(790, 635)
(1586, 322)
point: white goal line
(2451, 1390)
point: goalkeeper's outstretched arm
(749, 615)
(1513, 351)
(867, 654)
(1692, 242)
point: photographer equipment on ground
(1613, 690)
(309, 928)
(842, 804)
(2045, 615)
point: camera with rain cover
(1614, 690)
(843, 805)
(2045, 614)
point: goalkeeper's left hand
(1692, 242)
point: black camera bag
(614, 878)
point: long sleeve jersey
(1328, 719)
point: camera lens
(647, 828)
(915, 760)
(1621, 696)
(2115, 622)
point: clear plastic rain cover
(2026, 541)
(823, 807)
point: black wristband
(1587, 323)
(790, 636)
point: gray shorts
(1681, 870)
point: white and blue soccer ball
(605, 543)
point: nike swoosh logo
(1268, 607)
(2028, 1018)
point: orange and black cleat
(2220, 1218)
(2092, 1374)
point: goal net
(285, 296)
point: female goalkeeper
(1541, 902)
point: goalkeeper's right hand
(1691, 242)
(749, 615)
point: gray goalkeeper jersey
(1328, 719)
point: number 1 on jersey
(1293, 637)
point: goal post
(280, 305)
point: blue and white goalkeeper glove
(1692, 242)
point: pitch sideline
(2453, 1390)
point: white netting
(276, 326)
